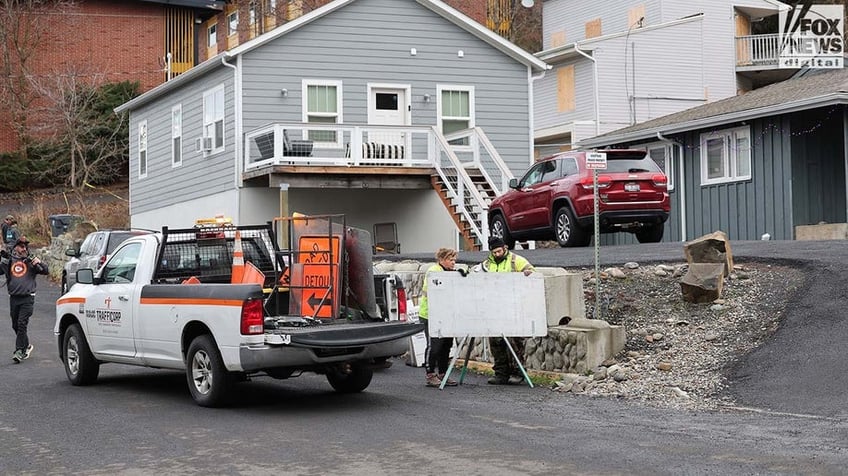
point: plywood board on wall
(593, 28)
(565, 88)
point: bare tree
(94, 140)
(23, 25)
(515, 22)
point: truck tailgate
(342, 335)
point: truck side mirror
(85, 276)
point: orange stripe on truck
(70, 300)
(193, 302)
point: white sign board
(596, 160)
(487, 305)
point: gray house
(399, 113)
(765, 162)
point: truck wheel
(568, 233)
(208, 380)
(356, 381)
(498, 228)
(80, 365)
(650, 233)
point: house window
(177, 135)
(232, 23)
(322, 104)
(251, 13)
(142, 149)
(663, 155)
(212, 36)
(726, 156)
(213, 120)
(456, 110)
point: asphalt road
(143, 421)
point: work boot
(450, 383)
(28, 351)
(516, 380)
(499, 380)
(433, 379)
(18, 356)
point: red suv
(554, 200)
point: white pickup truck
(140, 309)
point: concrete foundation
(824, 231)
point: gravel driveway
(800, 369)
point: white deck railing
(455, 158)
(757, 50)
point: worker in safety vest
(437, 354)
(501, 260)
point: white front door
(388, 105)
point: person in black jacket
(21, 270)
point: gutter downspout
(238, 127)
(530, 80)
(682, 183)
(597, 95)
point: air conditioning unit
(203, 144)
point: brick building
(117, 40)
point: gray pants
(21, 310)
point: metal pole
(596, 313)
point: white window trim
(729, 155)
(230, 30)
(177, 132)
(669, 159)
(212, 39)
(212, 92)
(471, 111)
(143, 136)
(339, 113)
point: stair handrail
(506, 173)
(464, 182)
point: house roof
(440, 8)
(814, 89)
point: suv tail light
(604, 181)
(102, 261)
(252, 317)
(401, 296)
(660, 180)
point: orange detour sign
(238, 260)
(319, 256)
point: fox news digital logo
(811, 36)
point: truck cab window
(121, 267)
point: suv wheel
(498, 228)
(650, 233)
(568, 232)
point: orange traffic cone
(238, 260)
(252, 275)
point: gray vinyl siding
(665, 80)
(369, 41)
(818, 167)
(198, 176)
(545, 96)
(747, 209)
(571, 16)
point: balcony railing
(454, 158)
(757, 50)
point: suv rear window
(631, 163)
(116, 238)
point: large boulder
(711, 248)
(703, 282)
